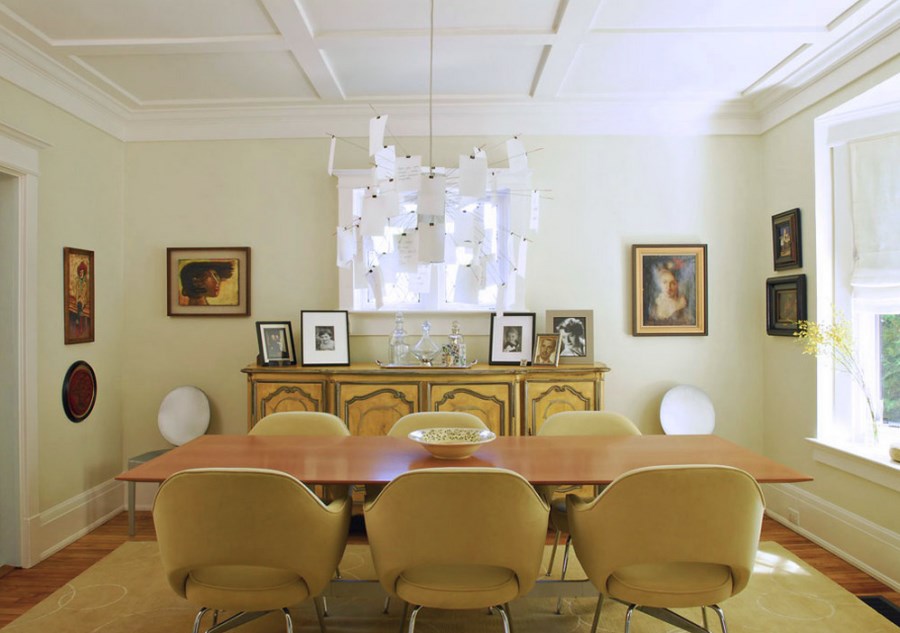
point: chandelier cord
(431, 93)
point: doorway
(10, 534)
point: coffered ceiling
(207, 68)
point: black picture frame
(785, 304)
(314, 348)
(512, 338)
(276, 343)
(787, 245)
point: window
(858, 270)
(481, 247)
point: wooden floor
(23, 588)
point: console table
(510, 399)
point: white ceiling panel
(119, 19)
(209, 77)
(701, 14)
(675, 64)
(401, 68)
(335, 16)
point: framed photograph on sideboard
(576, 334)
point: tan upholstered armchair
(434, 420)
(669, 537)
(457, 538)
(247, 540)
(576, 423)
(300, 423)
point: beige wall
(604, 194)
(80, 205)
(790, 378)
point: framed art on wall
(276, 343)
(79, 392)
(78, 302)
(576, 334)
(208, 281)
(786, 246)
(512, 338)
(785, 304)
(669, 290)
(325, 337)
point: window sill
(870, 463)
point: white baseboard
(53, 529)
(870, 547)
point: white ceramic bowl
(452, 443)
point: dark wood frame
(262, 329)
(775, 288)
(309, 355)
(79, 376)
(177, 307)
(642, 278)
(537, 347)
(587, 318)
(496, 355)
(788, 222)
(75, 316)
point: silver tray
(417, 366)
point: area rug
(126, 593)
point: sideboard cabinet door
(543, 398)
(493, 402)
(273, 397)
(372, 409)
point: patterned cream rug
(126, 593)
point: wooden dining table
(377, 460)
(561, 460)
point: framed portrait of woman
(208, 281)
(576, 335)
(669, 290)
(325, 337)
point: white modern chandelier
(458, 233)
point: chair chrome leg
(509, 617)
(565, 566)
(597, 613)
(412, 618)
(403, 616)
(215, 617)
(705, 620)
(324, 607)
(506, 626)
(387, 604)
(320, 612)
(199, 617)
(289, 623)
(721, 615)
(628, 614)
(553, 552)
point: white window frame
(841, 411)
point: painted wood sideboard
(512, 400)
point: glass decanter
(426, 350)
(398, 348)
(456, 347)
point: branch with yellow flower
(836, 341)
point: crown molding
(26, 67)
